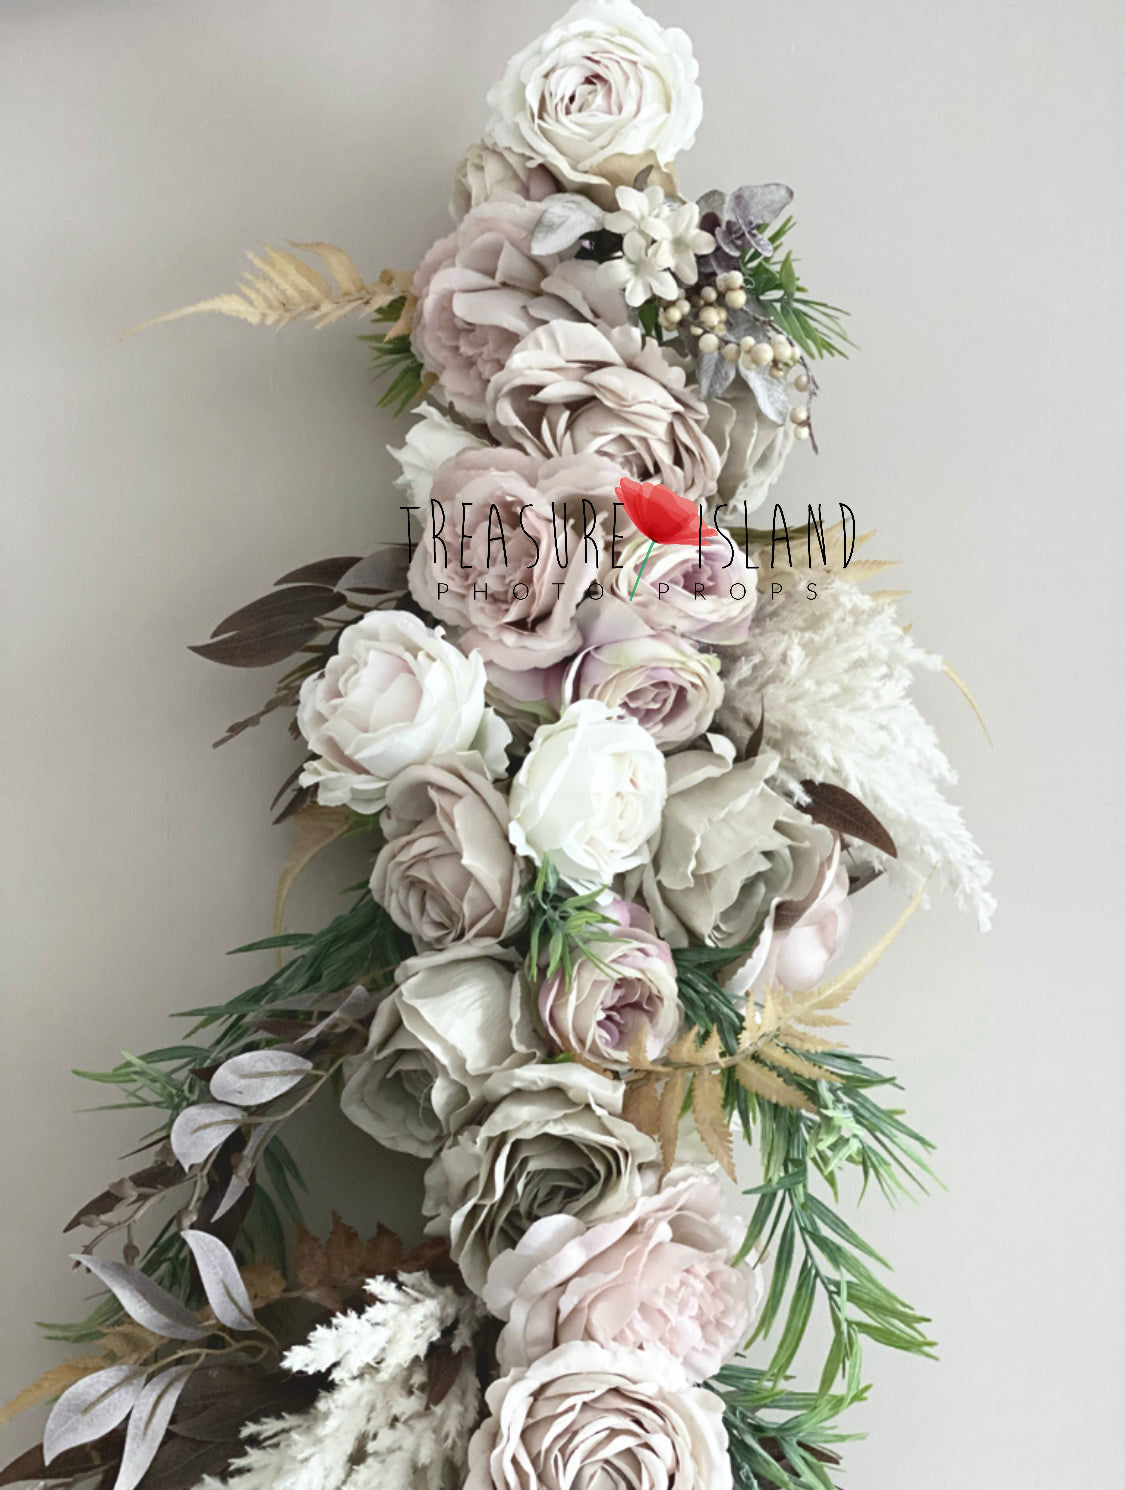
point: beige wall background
(957, 169)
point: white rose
(428, 444)
(454, 1020)
(605, 81)
(601, 1417)
(483, 172)
(395, 694)
(589, 795)
(555, 1143)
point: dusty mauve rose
(474, 288)
(484, 171)
(454, 1019)
(658, 679)
(729, 847)
(800, 937)
(658, 1275)
(447, 872)
(588, 795)
(571, 386)
(395, 694)
(605, 81)
(598, 1417)
(629, 990)
(513, 578)
(713, 605)
(553, 1143)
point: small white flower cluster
(662, 238)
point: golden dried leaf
(284, 289)
(316, 827)
(52, 1383)
(641, 1107)
(964, 687)
(264, 1283)
(671, 1104)
(130, 1342)
(710, 1120)
(768, 1085)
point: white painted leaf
(566, 218)
(201, 1131)
(258, 1076)
(218, 1272)
(715, 374)
(244, 1167)
(90, 1408)
(148, 1422)
(770, 393)
(144, 1300)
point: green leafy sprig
(562, 924)
(393, 357)
(814, 325)
(779, 1438)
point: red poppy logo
(661, 516)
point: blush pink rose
(474, 290)
(514, 584)
(658, 1276)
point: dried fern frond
(285, 289)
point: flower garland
(619, 791)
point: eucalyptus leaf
(566, 218)
(91, 1408)
(218, 1272)
(148, 1423)
(258, 1076)
(770, 394)
(145, 1301)
(200, 1131)
(715, 374)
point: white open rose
(589, 794)
(605, 81)
(395, 694)
(428, 444)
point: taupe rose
(453, 1021)
(447, 872)
(600, 1417)
(571, 387)
(711, 603)
(728, 848)
(657, 1276)
(553, 1143)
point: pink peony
(658, 1276)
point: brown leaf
(181, 1463)
(259, 646)
(754, 743)
(380, 573)
(295, 603)
(710, 1120)
(839, 810)
(770, 1086)
(641, 1107)
(143, 1182)
(330, 1272)
(224, 1398)
(671, 1103)
(430, 1256)
(264, 1283)
(443, 1367)
(320, 572)
(81, 1461)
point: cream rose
(454, 1020)
(588, 795)
(729, 847)
(395, 694)
(601, 1417)
(570, 386)
(447, 872)
(663, 682)
(604, 81)
(428, 444)
(627, 989)
(657, 1276)
(752, 448)
(554, 1143)
(512, 577)
(484, 172)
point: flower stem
(641, 570)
